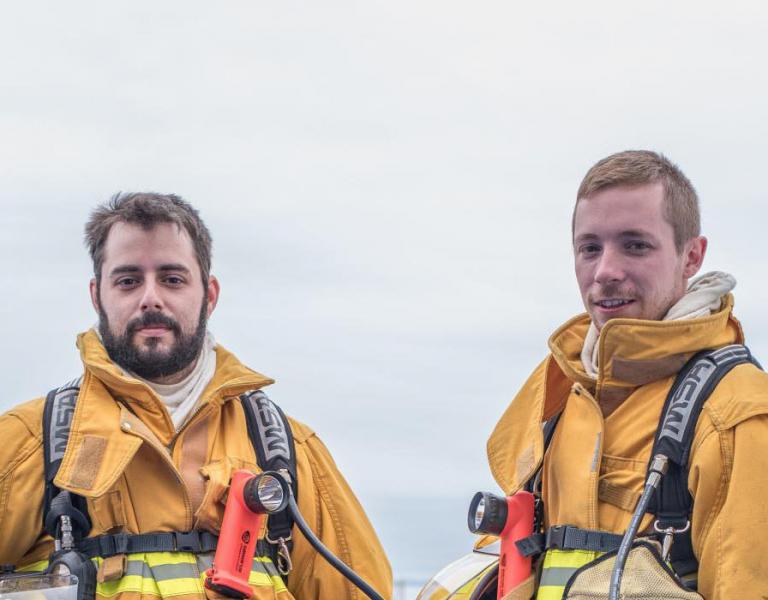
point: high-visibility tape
(558, 567)
(172, 574)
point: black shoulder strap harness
(672, 504)
(272, 439)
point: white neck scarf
(702, 298)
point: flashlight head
(266, 493)
(487, 513)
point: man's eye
(173, 280)
(126, 282)
(638, 247)
(589, 249)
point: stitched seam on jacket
(719, 501)
(26, 451)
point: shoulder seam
(25, 452)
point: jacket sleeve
(21, 488)
(729, 481)
(333, 512)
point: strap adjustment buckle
(187, 541)
(556, 537)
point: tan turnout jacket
(594, 469)
(139, 475)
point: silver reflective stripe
(269, 568)
(61, 418)
(204, 561)
(138, 567)
(556, 576)
(177, 571)
(274, 438)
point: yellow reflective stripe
(557, 569)
(264, 573)
(168, 574)
(40, 565)
(569, 558)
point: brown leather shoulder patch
(90, 455)
(611, 397)
(640, 372)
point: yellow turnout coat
(140, 475)
(595, 467)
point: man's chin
(600, 318)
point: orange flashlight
(511, 519)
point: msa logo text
(62, 420)
(679, 411)
(272, 432)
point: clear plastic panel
(38, 587)
(456, 575)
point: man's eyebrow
(635, 233)
(627, 233)
(585, 237)
(173, 267)
(122, 269)
(125, 269)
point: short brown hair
(147, 209)
(639, 167)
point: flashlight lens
(479, 513)
(487, 513)
(270, 493)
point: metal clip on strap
(669, 536)
(283, 560)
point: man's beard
(148, 362)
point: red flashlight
(251, 499)
(510, 518)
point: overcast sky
(389, 188)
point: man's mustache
(152, 318)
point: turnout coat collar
(632, 353)
(116, 413)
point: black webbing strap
(197, 542)
(568, 537)
(693, 385)
(58, 411)
(272, 439)
(548, 430)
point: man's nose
(151, 299)
(610, 267)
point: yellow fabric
(729, 460)
(173, 574)
(559, 565)
(137, 487)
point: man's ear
(694, 251)
(212, 293)
(94, 290)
